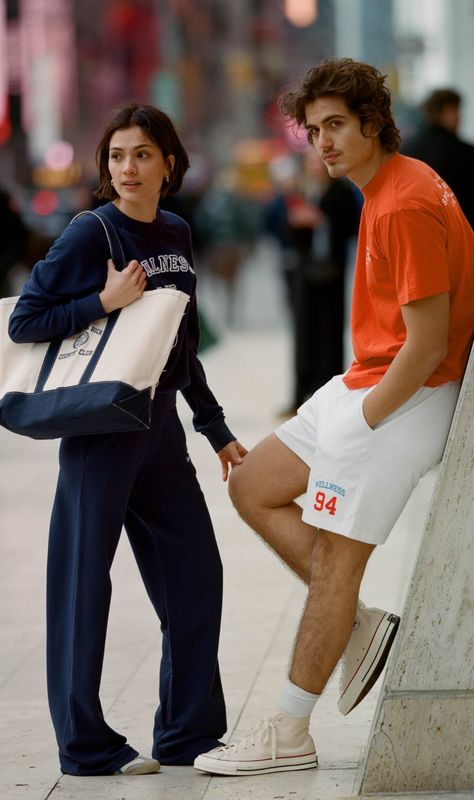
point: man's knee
(334, 552)
(244, 492)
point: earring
(167, 178)
(111, 181)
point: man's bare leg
(263, 489)
(337, 568)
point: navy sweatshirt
(61, 298)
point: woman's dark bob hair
(361, 86)
(158, 127)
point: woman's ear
(171, 162)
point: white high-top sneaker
(366, 654)
(279, 744)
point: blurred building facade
(216, 66)
(434, 41)
(421, 45)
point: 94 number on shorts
(321, 502)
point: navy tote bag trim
(89, 408)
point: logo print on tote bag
(81, 339)
(77, 344)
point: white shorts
(361, 478)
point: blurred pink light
(301, 13)
(45, 202)
(59, 156)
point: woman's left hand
(232, 454)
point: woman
(144, 481)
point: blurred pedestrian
(15, 238)
(285, 176)
(144, 481)
(22, 246)
(226, 227)
(314, 218)
(358, 447)
(322, 239)
(438, 144)
(184, 205)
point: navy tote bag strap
(118, 257)
(115, 245)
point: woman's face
(137, 169)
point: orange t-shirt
(414, 242)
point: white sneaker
(366, 654)
(140, 766)
(279, 744)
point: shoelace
(263, 731)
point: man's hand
(122, 287)
(232, 454)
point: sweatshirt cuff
(89, 309)
(218, 435)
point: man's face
(450, 118)
(335, 133)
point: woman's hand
(122, 287)
(232, 454)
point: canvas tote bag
(101, 380)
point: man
(360, 444)
(438, 144)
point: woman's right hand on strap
(122, 287)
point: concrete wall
(422, 738)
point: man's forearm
(407, 373)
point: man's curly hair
(361, 86)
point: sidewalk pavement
(248, 372)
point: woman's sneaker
(279, 744)
(140, 766)
(366, 654)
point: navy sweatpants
(146, 482)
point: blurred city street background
(258, 208)
(218, 68)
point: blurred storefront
(216, 66)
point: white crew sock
(296, 701)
